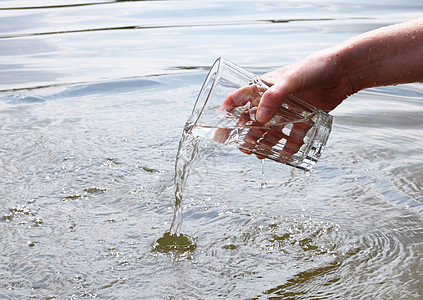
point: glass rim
(214, 69)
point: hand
(385, 56)
(317, 80)
(259, 138)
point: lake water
(93, 99)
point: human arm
(385, 56)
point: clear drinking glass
(225, 112)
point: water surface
(93, 100)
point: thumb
(271, 101)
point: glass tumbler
(225, 112)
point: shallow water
(93, 100)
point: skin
(386, 56)
(261, 138)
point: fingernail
(263, 114)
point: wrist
(358, 67)
(385, 56)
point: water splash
(174, 243)
(263, 184)
(187, 151)
(174, 240)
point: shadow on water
(174, 243)
(287, 290)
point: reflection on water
(90, 124)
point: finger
(221, 135)
(281, 145)
(288, 82)
(271, 101)
(261, 141)
(296, 138)
(250, 141)
(241, 97)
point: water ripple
(90, 126)
(143, 27)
